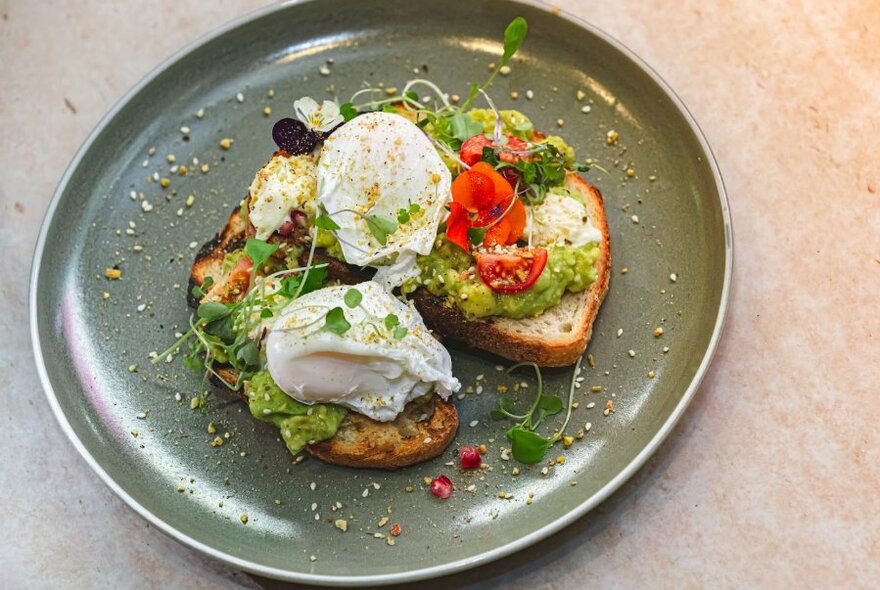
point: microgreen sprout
(528, 446)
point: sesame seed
(580, 95)
(200, 113)
(560, 122)
(474, 423)
(530, 95)
(619, 332)
(586, 109)
(239, 97)
(184, 130)
(631, 353)
(650, 374)
(673, 277)
(665, 349)
(505, 70)
(635, 218)
(591, 405)
(324, 70)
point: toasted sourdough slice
(556, 338)
(422, 431)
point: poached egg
(366, 368)
(375, 165)
(285, 183)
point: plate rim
(436, 570)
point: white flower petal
(330, 116)
(305, 108)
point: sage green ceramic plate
(132, 421)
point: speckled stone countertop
(772, 478)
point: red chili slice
(513, 271)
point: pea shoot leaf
(249, 354)
(528, 447)
(347, 111)
(400, 332)
(463, 127)
(380, 227)
(314, 281)
(403, 216)
(325, 222)
(504, 409)
(259, 251)
(514, 35)
(213, 310)
(551, 404)
(200, 290)
(335, 321)
(391, 321)
(352, 298)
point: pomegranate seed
(469, 457)
(441, 486)
(286, 228)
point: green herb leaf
(400, 332)
(347, 111)
(391, 321)
(380, 227)
(387, 108)
(266, 313)
(314, 281)
(249, 354)
(403, 216)
(551, 404)
(514, 35)
(353, 298)
(325, 222)
(200, 290)
(504, 409)
(412, 96)
(413, 208)
(463, 127)
(335, 321)
(528, 447)
(193, 361)
(477, 234)
(212, 311)
(259, 251)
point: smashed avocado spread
(448, 272)
(300, 424)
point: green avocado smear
(300, 424)
(446, 272)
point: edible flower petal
(457, 225)
(319, 118)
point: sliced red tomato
(472, 149)
(457, 225)
(513, 271)
(240, 276)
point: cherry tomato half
(472, 149)
(513, 271)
